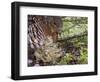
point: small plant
(84, 56)
(49, 53)
(70, 59)
(66, 59)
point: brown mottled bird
(39, 28)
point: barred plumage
(35, 34)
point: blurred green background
(74, 34)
